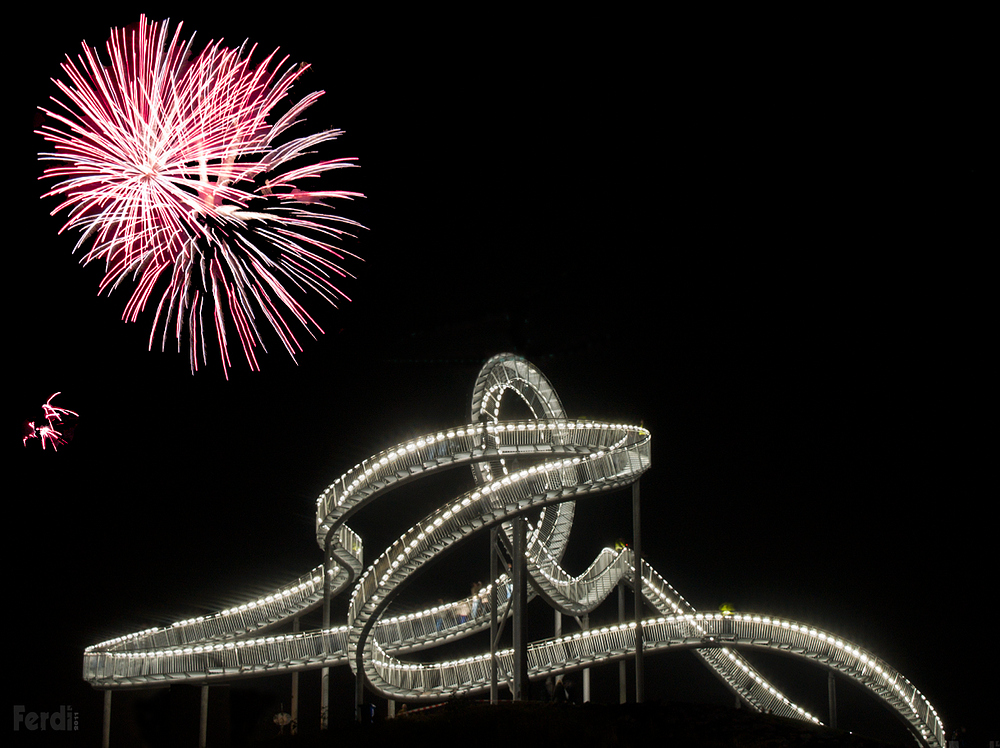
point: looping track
(539, 468)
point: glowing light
(174, 167)
(57, 428)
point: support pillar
(637, 554)
(622, 676)
(831, 692)
(324, 698)
(324, 688)
(106, 728)
(584, 622)
(203, 723)
(359, 688)
(520, 593)
(493, 615)
(294, 727)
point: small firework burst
(179, 172)
(56, 428)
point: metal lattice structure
(536, 468)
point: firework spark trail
(168, 164)
(49, 431)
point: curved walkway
(537, 468)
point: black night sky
(763, 238)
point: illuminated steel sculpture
(534, 468)
(177, 168)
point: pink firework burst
(178, 170)
(57, 427)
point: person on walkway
(476, 591)
(438, 619)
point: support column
(584, 624)
(360, 712)
(519, 570)
(203, 724)
(106, 730)
(294, 728)
(831, 692)
(324, 687)
(493, 615)
(557, 633)
(359, 688)
(637, 553)
(622, 676)
(324, 698)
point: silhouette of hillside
(544, 724)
